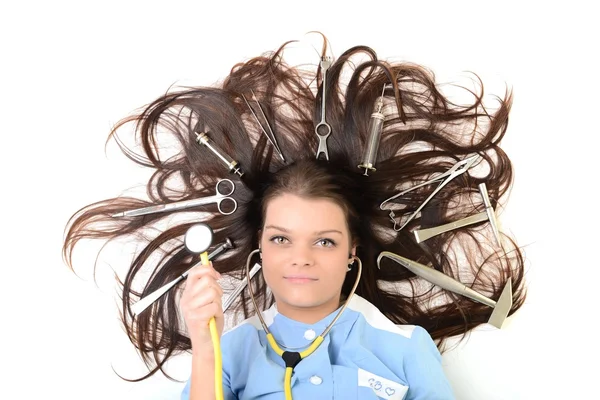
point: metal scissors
(456, 170)
(323, 129)
(219, 198)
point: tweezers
(271, 137)
(240, 287)
(457, 169)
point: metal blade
(503, 306)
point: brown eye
(326, 243)
(278, 239)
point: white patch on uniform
(268, 316)
(376, 319)
(383, 388)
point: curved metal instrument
(459, 168)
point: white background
(69, 70)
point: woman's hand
(201, 301)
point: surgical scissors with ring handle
(220, 198)
(323, 129)
(456, 170)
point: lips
(299, 279)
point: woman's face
(305, 251)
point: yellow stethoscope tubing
(287, 381)
(214, 334)
(315, 344)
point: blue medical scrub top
(364, 356)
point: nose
(302, 257)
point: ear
(352, 251)
(260, 232)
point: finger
(195, 288)
(208, 296)
(201, 270)
(213, 290)
(199, 273)
(219, 315)
(204, 314)
(207, 312)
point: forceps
(241, 286)
(457, 169)
(323, 126)
(219, 198)
(271, 138)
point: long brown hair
(424, 134)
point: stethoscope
(197, 240)
(292, 358)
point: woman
(308, 241)
(328, 172)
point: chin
(303, 300)
(303, 303)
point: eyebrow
(279, 228)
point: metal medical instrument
(323, 129)
(238, 289)
(144, 303)
(375, 128)
(219, 198)
(456, 170)
(232, 165)
(501, 307)
(271, 138)
(489, 214)
(292, 358)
